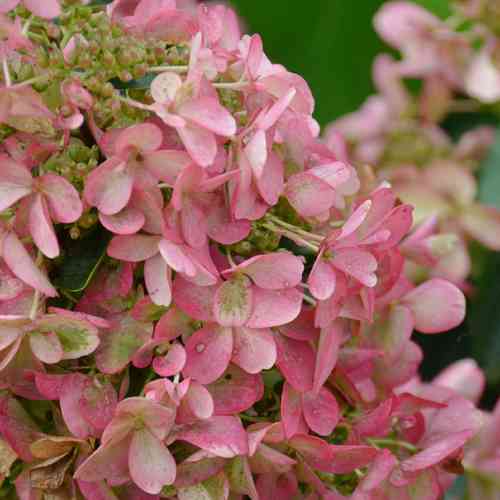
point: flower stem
(292, 236)
(6, 72)
(231, 85)
(381, 442)
(172, 69)
(295, 229)
(134, 104)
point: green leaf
(82, 258)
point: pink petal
(176, 258)
(21, 264)
(109, 186)
(172, 363)
(233, 302)
(166, 165)
(158, 281)
(256, 153)
(464, 377)
(150, 463)
(195, 301)
(193, 223)
(322, 279)
(296, 362)
(158, 418)
(359, 264)
(277, 109)
(127, 221)
(309, 195)
(200, 144)
(436, 452)
(235, 391)
(143, 138)
(134, 248)
(321, 412)
(15, 183)
(48, 9)
(208, 353)
(253, 350)
(271, 183)
(274, 307)
(356, 219)
(223, 436)
(330, 340)
(206, 112)
(199, 400)
(274, 271)
(109, 461)
(46, 347)
(41, 228)
(173, 324)
(71, 392)
(437, 306)
(98, 402)
(291, 412)
(63, 199)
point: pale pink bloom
(137, 162)
(50, 197)
(132, 446)
(47, 9)
(198, 118)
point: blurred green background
(332, 44)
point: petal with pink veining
(150, 463)
(208, 353)
(109, 186)
(41, 228)
(253, 350)
(321, 411)
(63, 199)
(274, 307)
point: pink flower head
(137, 162)
(132, 446)
(242, 306)
(46, 198)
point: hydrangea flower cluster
(199, 297)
